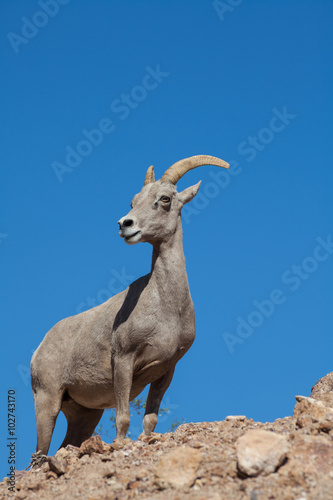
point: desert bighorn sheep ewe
(104, 357)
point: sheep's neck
(168, 272)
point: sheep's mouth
(132, 237)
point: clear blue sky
(161, 80)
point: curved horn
(178, 169)
(150, 176)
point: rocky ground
(236, 459)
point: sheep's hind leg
(155, 396)
(81, 422)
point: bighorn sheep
(104, 357)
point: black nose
(128, 223)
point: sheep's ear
(189, 193)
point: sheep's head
(155, 210)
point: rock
(91, 445)
(132, 485)
(241, 418)
(109, 471)
(118, 444)
(107, 447)
(178, 468)
(310, 465)
(56, 466)
(313, 414)
(51, 475)
(70, 449)
(115, 485)
(68, 455)
(260, 452)
(323, 390)
(304, 421)
(194, 443)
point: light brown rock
(67, 455)
(119, 444)
(56, 466)
(240, 418)
(91, 445)
(310, 466)
(194, 443)
(323, 390)
(261, 452)
(178, 468)
(313, 414)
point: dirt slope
(292, 460)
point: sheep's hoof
(119, 443)
(151, 438)
(37, 460)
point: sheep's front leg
(122, 382)
(155, 396)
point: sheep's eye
(165, 199)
